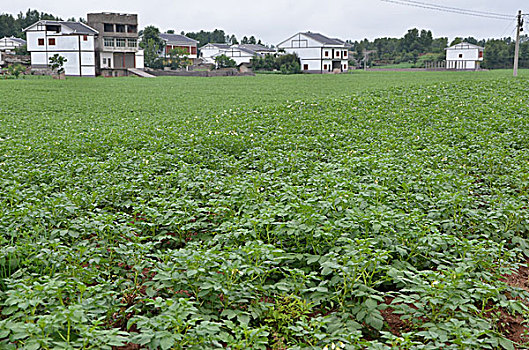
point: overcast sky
(275, 20)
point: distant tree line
(418, 46)
(14, 26)
(220, 37)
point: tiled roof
(178, 39)
(323, 39)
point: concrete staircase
(140, 73)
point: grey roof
(18, 40)
(177, 38)
(76, 27)
(256, 47)
(324, 39)
(245, 49)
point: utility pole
(519, 27)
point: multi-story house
(72, 40)
(464, 56)
(318, 53)
(117, 43)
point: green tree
(152, 45)
(15, 70)
(57, 63)
(178, 58)
(223, 61)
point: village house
(116, 46)
(10, 44)
(72, 40)
(464, 56)
(239, 54)
(208, 51)
(178, 41)
(317, 52)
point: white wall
(140, 59)
(470, 54)
(74, 48)
(208, 52)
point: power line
(457, 11)
(513, 24)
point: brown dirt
(516, 328)
(520, 278)
(395, 324)
(513, 328)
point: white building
(317, 53)
(10, 44)
(212, 49)
(464, 56)
(239, 54)
(72, 40)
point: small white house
(317, 52)
(208, 51)
(10, 44)
(239, 54)
(464, 56)
(72, 40)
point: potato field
(362, 211)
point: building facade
(116, 46)
(464, 56)
(72, 40)
(317, 53)
(237, 53)
(208, 51)
(10, 44)
(178, 41)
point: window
(85, 37)
(325, 67)
(326, 53)
(120, 42)
(345, 54)
(132, 29)
(109, 28)
(41, 42)
(108, 42)
(305, 67)
(104, 61)
(132, 42)
(51, 41)
(481, 54)
(109, 64)
(120, 28)
(53, 28)
(460, 55)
